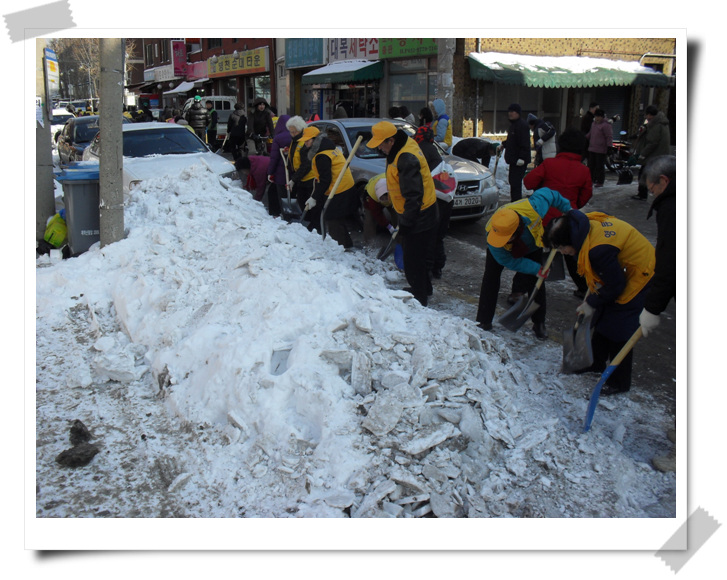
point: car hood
(466, 169)
(140, 168)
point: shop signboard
(246, 62)
(353, 49)
(304, 52)
(179, 58)
(406, 47)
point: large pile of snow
(230, 364)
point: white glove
(539, 143)
(648, 322)
(585, 309)
(391, 229)
(520, 163)
(289, 185)
(310, 204)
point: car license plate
(467, 201)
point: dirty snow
(231, 365)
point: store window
(412, 83)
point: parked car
(157, 149)
(76, 135)
(476, 195)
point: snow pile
(321, 388)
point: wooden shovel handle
(627, 347)
(340, 175)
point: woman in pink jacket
(600, 138)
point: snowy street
(228, 365)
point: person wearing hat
(517, 150)
(377, 208)
(198, 118)
(327, 163)
(515, 242)
(617, 262)
(413, 196)
(299, 171)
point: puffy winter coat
(281, 140)
(656, 138)
(517, 144)
(600, 137)
(565, 174)
(197, 116)
(442, 125)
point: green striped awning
(561, 71)
(345, 71)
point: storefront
(411, 72)
(558, 89)
(245, 75)
(303, 55)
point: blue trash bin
(81, 198)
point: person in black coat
(517, 150)
(474, 149)
(236, 131)
(660, 178)
(198, 118)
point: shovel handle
(287, 177)
(340, 175)
(627, 347)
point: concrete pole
(445, 78)
(45, 204)
(111, 195)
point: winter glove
(585, 309)
(310, 204)
(271, 178)
(520, 163)
(539, 143)
(391, 229)
(290, 185)
(648, 322)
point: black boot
(539, 329)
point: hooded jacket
(442, 125)
(656, 138)
(197, 116)
(664, 287)
(517, 143)
(262, 121)
(281, 140)
(600, 137)
(543, 131)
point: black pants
(597, 165)
(418, 249)
(643, 191)
(274, 198)
(490, 289)
(604, 351)
(439, 258)
(515, 178)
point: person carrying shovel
(515, 242)
(327, 164)
(617, 262)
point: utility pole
(111, 92)
(445, 79)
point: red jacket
(565, 174)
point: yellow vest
(636, 255)
(525, 209)
(337, 163)
(392, 179)
(296, 160)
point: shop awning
(345, 71)
(183, 87)
(561, 71)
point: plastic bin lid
(78, 174)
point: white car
(157, 149)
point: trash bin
(81, 196)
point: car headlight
(488, 182)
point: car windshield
(84, 132)
(60, 119)
(161, 141)
(364, 152)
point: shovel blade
(518, 315)
(577, 348)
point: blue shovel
(604, 377)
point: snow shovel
(514, 318)
(557, 269)
(335, 185)
(593, 403)
(577, 348)
(291, 210)
(386, 251)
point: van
(224, 107)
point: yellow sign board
(247, 62)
